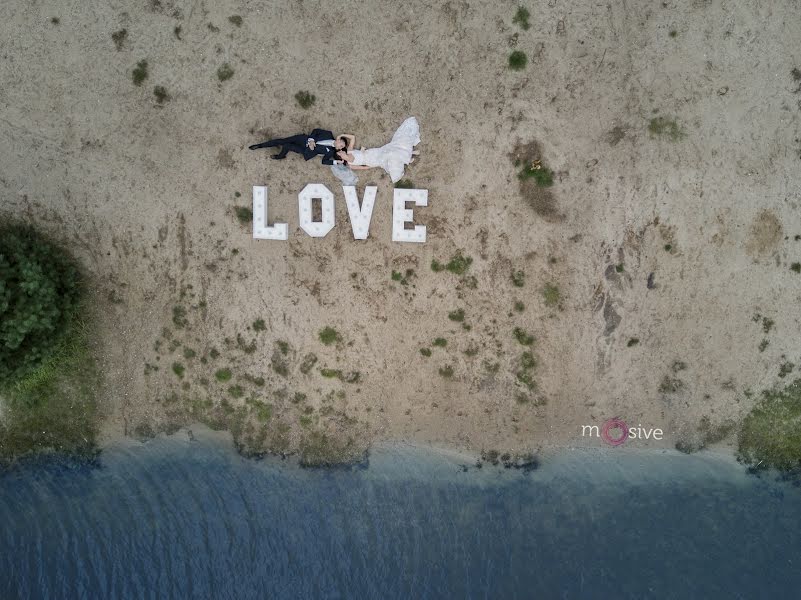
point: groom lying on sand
(320, 142)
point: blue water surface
(177, 518)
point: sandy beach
(652, 281)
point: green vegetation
(770, 436)
(668, 247)
(235, 20)
(405, 184)
(225, 72)
(425, 352)
(519, 306)
(518, 60)
(518, 278)
(305, 99)
(437, 266)
(160, 92)
(236, 391)
(763, 344)
(440, 342)
(673, 33)
(664, 127)
(796, 267)
(619, 268)
(446, 371)
(214, 353)
(139, 74)
(179, 316)
(55, 20)
(189, 353)
(223, 375)
(632, 342)
(767, 324)
(402, 278)
(329, 335)
(523, 337)
(521, 18)
(279, 363)
(264, 412)
(178, 369)
(177, 32)
(308, 362)
(785, 369)
(283, 347)
(456, 315)
(48, 375)
(331, 373)
(458, 265)
(118, 37)
(551, 294)
(244, 214)
(259, 325)
(542, 175)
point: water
(190, 519)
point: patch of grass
(257, 381)
(632, 342)
(763, 344)
(305, 99)
(542, 175)
(223, 375)
(446, 371)
(244, 214)
(331, 373)
(518, 278)
(437, 266)
(540, 198)
(767, 324)
(471, 351)
(425, 352)
(459, 264)
(527, 379)
(528, 361)
(551, 295)
(396, 276)
(456, 315)
(771, 432)
(668, 247)
(519, 306)
(214, 353)
(405, 184)
(177, 32)
(161, 94)
(523, 337)
(491, 367)
(673, 33)
(244, 346)
(518, 60)
(619, 268)
(263, 411)
(179, 316)
(279, 363)
(139, 74)
(189, 353)
(259, 325)
(283, 347)
(329, 335)
(235, 20)
(118, 37)
(178, 369)
(521, 18)
(439, 342)
(796, 267)
(225, 72)
(664, 127)
(670, 385)
(236, 391)
(785, 369)
(55, 20)
(308, 362)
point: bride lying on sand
(392, 157)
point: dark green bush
(40, 290)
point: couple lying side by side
(340, 152)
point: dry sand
(144, 194)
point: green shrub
(458, 265)
(223, 374)
(543, 176)
(259, 325)
(244, 214)
(523, 337)
(440, 342)
(551, 294)
(405, 184)
(40, 291)
(437, 266)
(518, 60)
(456, 315)
(139, 74)
(305, 99)
(521, 18)
(425, 352)
(178, 369)
(329, 335)
(160, 92)
(225, 72)
(664, 127)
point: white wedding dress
(394, 156)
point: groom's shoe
(280, 156)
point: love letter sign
(360, 215)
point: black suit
(297, 143)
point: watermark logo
(615, 432)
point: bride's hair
(344, 140)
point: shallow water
(175, 518)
